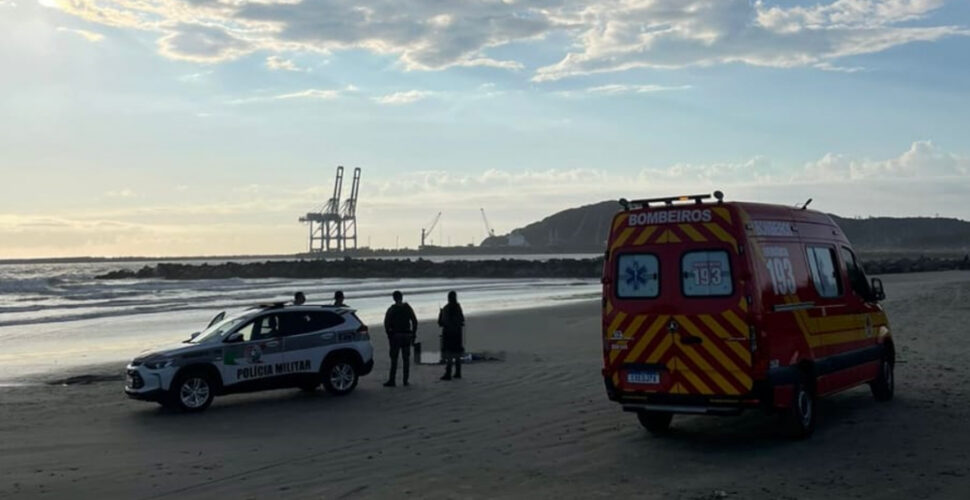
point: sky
(208, 127)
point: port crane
(489, 232)
(333, 226)
(427, 232)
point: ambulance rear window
(637, 276)
(706, 273)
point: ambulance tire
(884, 385)
(340, 375)
(801, 415)
(657, 422)
(192, 391)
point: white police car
(265, 347)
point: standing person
(401, 325)
(451, 319)
(338, 299)
(299, 298)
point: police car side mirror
(232, 339)
(194, 335)
(876, 290)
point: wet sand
(537, 425)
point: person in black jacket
(401, 325)
(451, 319)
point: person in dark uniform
(299, 298)
(338, 299)
(451, 319)
(401, 325)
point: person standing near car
(451, 319)
(401, 325)
(338, 299)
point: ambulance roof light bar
(669, 201)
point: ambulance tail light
(752, 339)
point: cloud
(276, 63)
(922, 180)
(90, 36)
(605, 36)
(324, 94)
(195, 77)
(625, 34)
(399, 98)
(306, 94)
(121, 193)
(202, 44)
(923, 160)
(621, 89)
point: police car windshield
(218, 330)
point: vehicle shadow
(843, 413)
(256, 405)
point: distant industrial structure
(489, 232)
(333, 228)
(426, 232)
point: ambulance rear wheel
(339, 376)
(884, 385)
(801, 415)
(657, 422)
(192, 392)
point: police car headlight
(159, 364)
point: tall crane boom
(488, 227)
(348, 215)
(426, 232)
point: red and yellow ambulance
(713, 307)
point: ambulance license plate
(644, 378)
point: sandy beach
(537, 425)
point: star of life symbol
(636, 276)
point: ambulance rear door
(710, 330)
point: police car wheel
(192, 392)
(801, 415)
(340, 376)
(657, 422)
(884, 385)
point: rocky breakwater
(914, 265)
(369, 268)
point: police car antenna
(807, 203)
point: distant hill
(928, 234)
(585, 229)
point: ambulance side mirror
(876, 290)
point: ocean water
(57, 316)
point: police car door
(257, 356)
(310, 336)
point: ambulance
(714, 307)
(268, 346)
